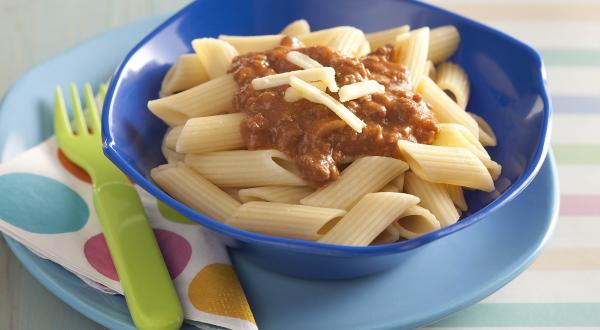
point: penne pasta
(457, 196)
(302, 60)
(494, 168)
(455, 135)
(279, 194)
(368, 218)
(212, 133)
(453, 80)
(486, 134)
(444, 108)
(390, 234)
(412, 52)
(360, 89)
(399, 182)
(244, 168)
(210, 98)
(247, 44)
(364, 49)
(324, 74)
(372, 172)
(315, 95)
(385, 37)
(416, 221)
(215, 55)
(390, 187)
(443, 42)
(284, 220)
(434, 197)
(171, 156)
(192, 189)
(296, 28)
(347, 41)
(321, 37)
(186, 73)
(431, 71)
(450, 165)
(233, 192)
(171, 136)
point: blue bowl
(508, 90)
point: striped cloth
(562, 288)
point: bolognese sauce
(310, 133)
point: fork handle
(149, 291)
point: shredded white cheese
(324, 74)
(292, 95)
(302, 60)
(360, 89)
(315, 95)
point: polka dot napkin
(47, 206)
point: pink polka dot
(96, 253)
(176, 250)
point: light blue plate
(446, 276)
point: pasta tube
(296, 28)
(368, 218)
(443, 42)
(284, 220)
(171, 136)
(416, 221)
(390, 234)
(245, 168)
(450, 165)
(210, 98)
(412, 52)
(386, 37)
(212, 133)
(321, 37)
(365, 175)
(486, 134)
(216, 55)
(192, 189)
(457, 196)
(453, 80)
(348, 41)
(279, 194)
(444, 108)
(171, 155)
(434, 197)
(186, 73)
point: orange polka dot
(72, 168)
(216, 290)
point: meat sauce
(311, 134)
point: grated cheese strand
(324, 74)
(302, 60)
(315, 95)
(360, 89)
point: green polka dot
(172, 215)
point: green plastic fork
(149, 291)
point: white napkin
(47, 206)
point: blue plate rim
(314, 247)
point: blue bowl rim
(321, 248)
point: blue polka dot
(41, 205)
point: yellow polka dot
(217, 290)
